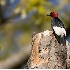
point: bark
(68, 55)
(47, 53)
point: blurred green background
(20, 18)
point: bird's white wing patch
(59, 31)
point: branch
(15, 59)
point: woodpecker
(58, 28)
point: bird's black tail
(61, 40)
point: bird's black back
(57, 22)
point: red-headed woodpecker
(58, 28)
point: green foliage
(37, 22)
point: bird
(58, 28)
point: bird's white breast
(59, 31)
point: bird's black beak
(48, 15)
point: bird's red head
(53, 14)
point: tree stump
(47, 53)
(68, 55)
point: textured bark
(68, 55)
(47, 53)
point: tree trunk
(47, 53)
